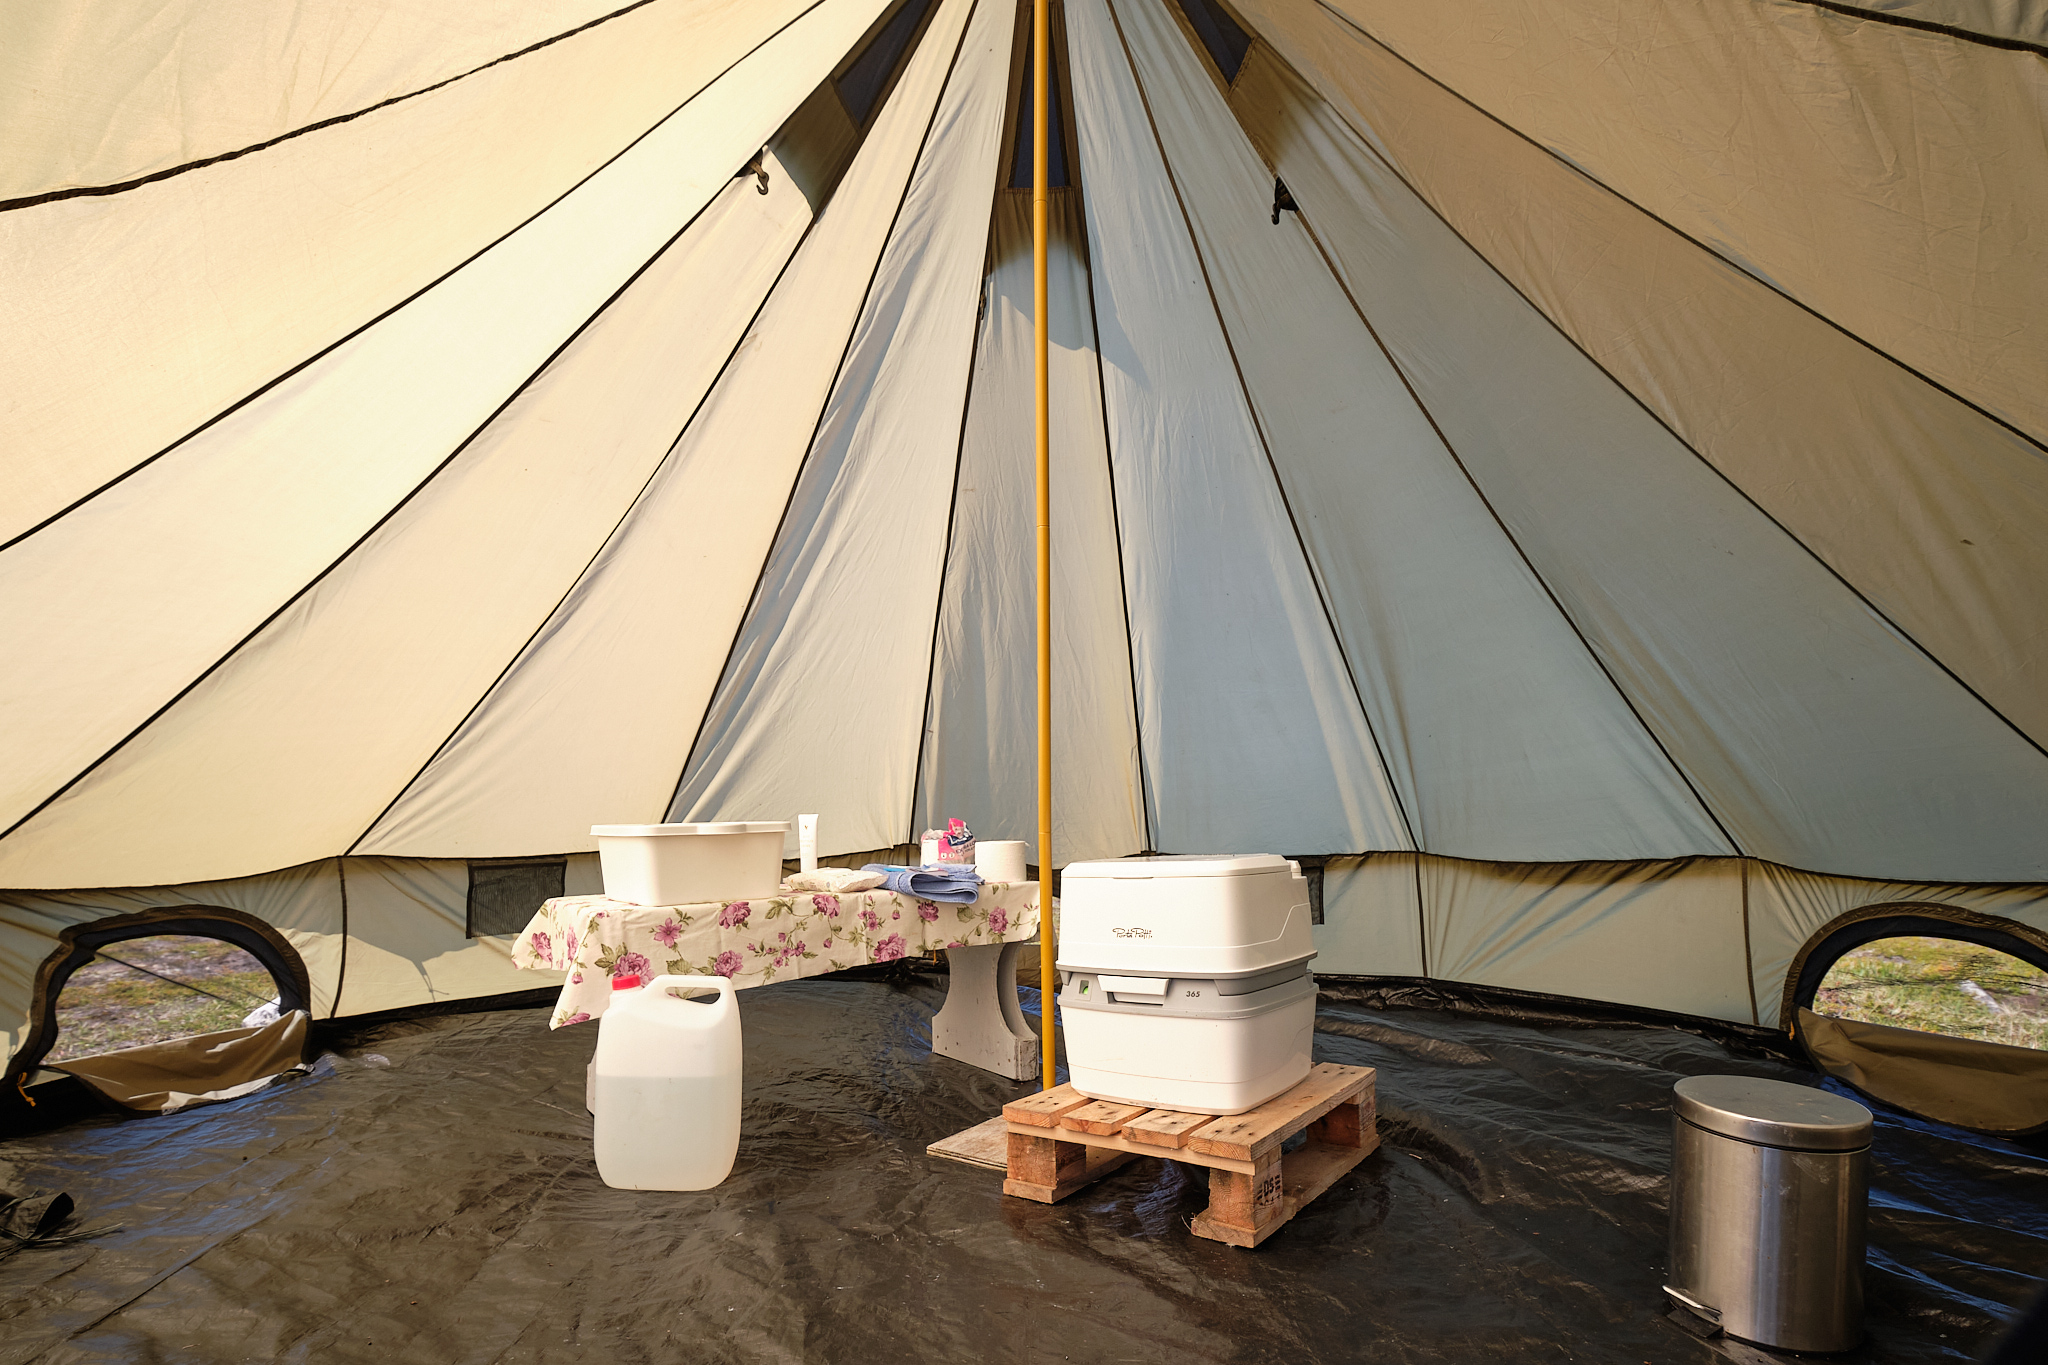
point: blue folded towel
(953, 887)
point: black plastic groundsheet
(428, 1194)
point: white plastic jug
(668, 1086)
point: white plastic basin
(687, 864)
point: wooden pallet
(1253, 1188)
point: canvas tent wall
(1608, 518)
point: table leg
(981, 1023)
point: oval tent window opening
(1933, 1009)
(1939, 985)
(156, 989)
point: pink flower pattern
(793, 936)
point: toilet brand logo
(1132, 933)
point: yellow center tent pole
(1041, 103)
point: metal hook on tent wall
(1282, 200)
(754, 168)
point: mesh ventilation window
(862, 83)
(1056, 151)
(504, 896)
(1227, 43)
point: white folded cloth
(839, 881)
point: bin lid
(1774, 1113)
(1180, 865)
(725, 827)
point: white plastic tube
(807, 843)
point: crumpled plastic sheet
(428, 1194)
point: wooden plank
(1121, 1142)
(1043, 1110)
(1037, 1160)
(1165, 1127)
(1244, 1209)
(1304, 1173)
(1101, 1118)
(986, 1145)
(1250, 1136)
(1100, 1162)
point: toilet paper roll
(999, 860)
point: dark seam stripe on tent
(925, 717)
(1968, 35)
(364, 538)
(1632, 396)
(341, 969)
(838, 373)
(611, 537)
(1871, 346)
(95, 191)
(1258, 429)
(1572, 624)
(1421, 913)
(424, 289)
(1748, 953)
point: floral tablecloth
(754, 942)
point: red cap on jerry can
(625, 983)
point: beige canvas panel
(181, 561)
(981, 739)
(302, 903)
(296, 744)
(1788, 907)
(94, 92)
(407, 922)
(1890, 179)
(593, 722)
(1505, 738)
(1253, 733)
(1815, 735)
(135, 318)
(1928, 507)
(1372, 917)
(822, 702)
(1663, 936)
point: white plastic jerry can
(668, 1086)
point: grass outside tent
(1939, 985)
(121, 998)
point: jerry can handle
(721, 984)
